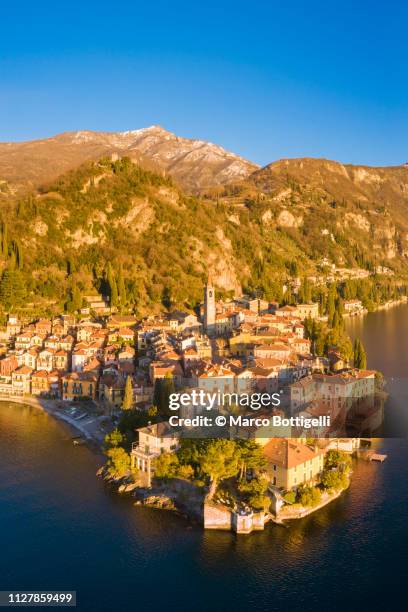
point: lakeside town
(110, 375)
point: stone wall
(217, 516)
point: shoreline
(54, 407)
(385, 306)
(304, 511)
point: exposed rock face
(358, 220)
(289, 181)
(195, 164)
(287, 219)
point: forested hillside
(115, 227)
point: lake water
(60, 528)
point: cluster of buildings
(70, 359)
(240, 342)
(249, 345)
(242, 345)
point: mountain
(163, 210)
(115, 217)
(194, 164)
(324, 205)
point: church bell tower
(209, 305)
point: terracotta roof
(40, 374)
(216, 371)
(23, 370)
(159, 430)
(125, 331)
(190, 351)
(288, 453)
(268, 362)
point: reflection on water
(61, 528)
(385, 337)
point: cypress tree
(121, 288)
(113, 289)
(331, 303)
(4, 240)
(74, 302)
(359, 355)
(12, 287)
(127, 403)
(163, 388)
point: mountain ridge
(195, 164)
(123, 205)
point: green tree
(163, 388)
(331, 302)
(288, 299)
(337, 459)
(359, 355)
(334, 479)
(166, 465)
(305, 291)
(71, 268)
(308, 496)
(219, 461)
(18, 254)
(127, 402)
(152, 412)
(74, 302)
(254, 493)
(4, 240)
(121, 289)
(251, 457)
(112, 286)
(113, 439)
(118, 461)
(12, 288)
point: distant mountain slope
(386, 186)
(195, 164)
(325, 205)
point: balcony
(144, 452)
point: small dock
(371, 456)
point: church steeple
(209, 305)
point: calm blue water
(61, 529)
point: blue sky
(264, 79)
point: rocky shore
(177, 495)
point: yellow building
(40, 384)
(291, 463)
(79, 386)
